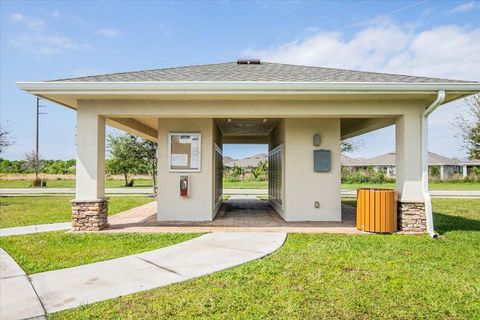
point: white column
(442, 172)
(464, 171)
(409, 157)
(90, 164)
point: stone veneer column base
(89, 215)
(411, 217)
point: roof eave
(65, 87)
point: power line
(388, 13)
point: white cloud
(44, 44)
(448, 51)
(35, 38)
(109, 33)
(464, 7)
(31, 23)
(445, 51)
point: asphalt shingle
(266, 71)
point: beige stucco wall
(302, 119)
(303, 186)
(171, 206)
(277, 136)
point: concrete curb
(38, 228)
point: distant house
(227, 159)
(249, 162)
(467, 166)
(349, 162)
(447, 167)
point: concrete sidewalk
(35, 229)
(72, 287)
(111, 191)
(65, 191)
(148, 191)
(229, 192)
(18, 299)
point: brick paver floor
(241, 214)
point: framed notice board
(184, 152)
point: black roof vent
(248, 61)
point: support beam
(246, 139)
(362, 126)
(248, 109)
(134, 127)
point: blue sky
(53, 39)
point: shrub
(434, 172)
(39, 183)
(365, 176)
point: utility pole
(37, 159)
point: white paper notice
(179, 160)
(195, 153)
(185, 139)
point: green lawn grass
(56, 250)
(23, 211)
(321, 276)
(140, 183)
(245, 184)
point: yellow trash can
(377, 210)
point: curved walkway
(72, 287)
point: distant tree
(237, 171)
(149, 155)
(6, 140)
(125, 152)
(470, 127)
(33, 163)
(260, 171)
(132, 155)
(349, 145)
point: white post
(409, 171)
(442, 172)
(409, 158)
(90, 208)
(90, 164)
(464, 171)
